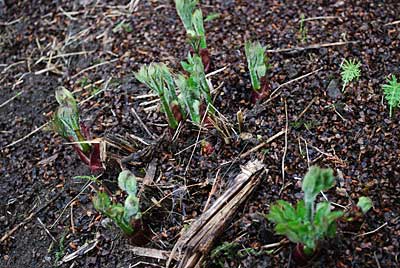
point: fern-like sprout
(257, 63)
(350, 71)
(392, 93)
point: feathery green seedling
(392, 93)
(306, 223)
(123, 215)
(350, 71)
(257, 64)
(66, 123)
(158, 77)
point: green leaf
(65, 98)
(131, 208)
(365, 204)
(198, 26)
(185, 9)
(256, 62)
(127, 182)
(315, 181)
(101, 202)
(212, 16)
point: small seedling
(225, 251)
(365, 204)
(258, 65)
(307, 223)
(66, 123)
(392, 93)
(302, 30)
(350, 71)
(123, 215)
(158, 77)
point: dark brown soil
(350, 132)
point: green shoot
(365, 204)
(190, 96)
(257, 63)
(185, 9)
(66, 120)
(302, 30)
(193, 22)
(122, 215)
(392, 93)
(197, 76)
(212, 16)
(305, 224)
(350, 71)
(158, 77)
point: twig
(392, 23)
(213, 189)
(10, 99)
(286, 145)
(154, 137)
(315, 46)
(320, 18)
(197, 139)
(26, 136)
(216, 71)
(28, 219)
(254, 149)
(11, 22)
(306, 109)
(149, 252)
(46, 230)
(373, 231)
(274, 245)
(289, 82)
(93, 67)
(72, 200)
(376, 260)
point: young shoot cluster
(123, 215)
(257, 63)
(180, 94)
(392, 93)
(309, 222)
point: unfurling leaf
(127, 182)
(315, 181)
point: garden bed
(93, 47)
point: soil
(47, 44)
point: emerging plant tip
(125, 215)
(350, 71)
